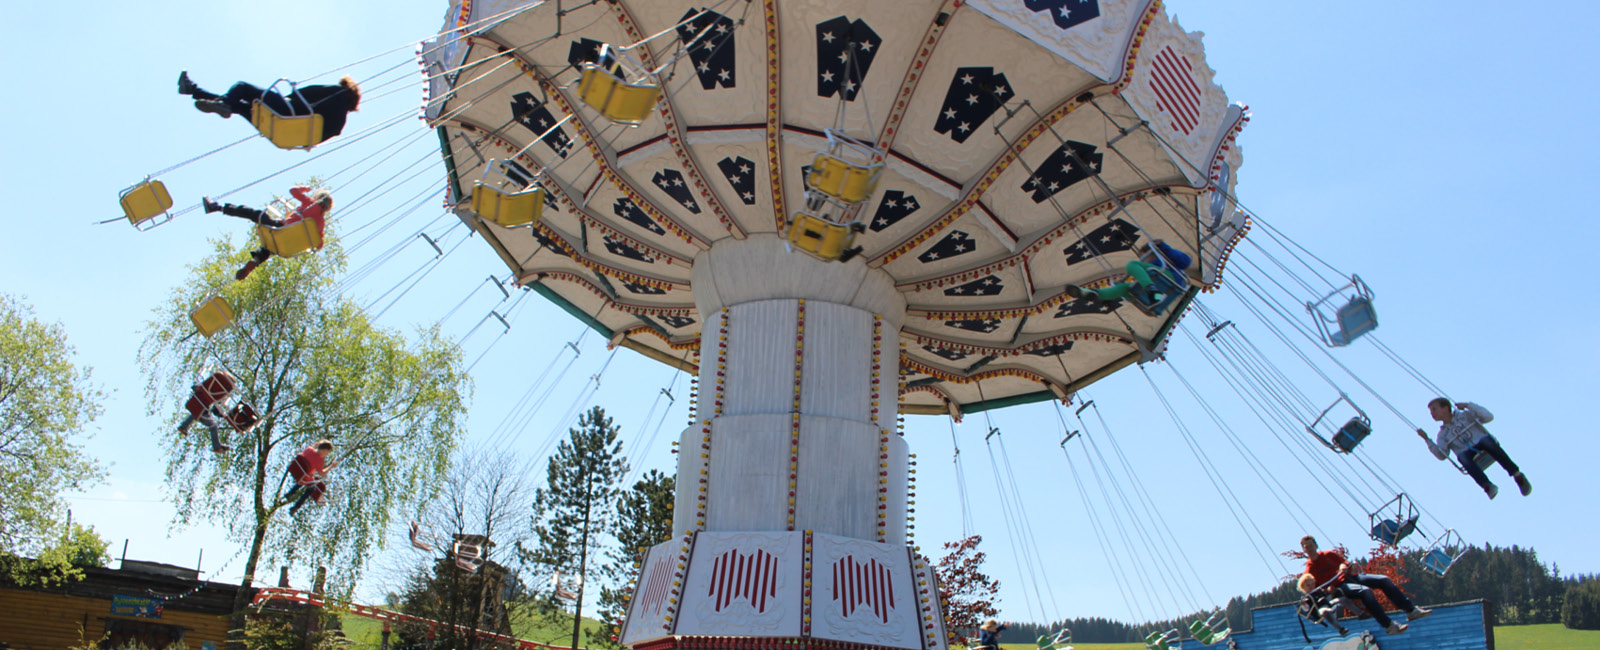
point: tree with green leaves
(45, 404)
(315, 366)
(484, 499)
(644, 519)
(576, 509)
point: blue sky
(1440, 150)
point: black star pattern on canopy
(954, 244)
(1071, 163)
(950, 355)
(1079, 307)
(894, 206)
(531, 113)
(1116, 235)
(623, 249)
(1067, 13)
(709, 39)
(677, 322)
(845, 51)
(627, 210)
(988, 285)
(583, 50)
(984, 325)
(974, 95)
(1051, 350)
(671, 182)
(740, 173)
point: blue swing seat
(1355, 319)
(1351, 434)
(1391, 531)
(1164, 283)
(1443, 553)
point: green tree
(644, 519)
(576, 509)
(483, 500)
(45, 403)
(315, 366)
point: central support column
(791, 505)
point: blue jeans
(1487, 445)
(208, 419)
(1360, 587)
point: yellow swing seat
(146, 201)
(508, 209)
(847, 171)
(605, 87)
(286, 131)
(212, 316)
(291, 240)
(821, 238)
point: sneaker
(185, 86)
(1418, 614)
(1493, 491)
(221, 449)
(213, 106)
(183, 431)
(244, 272)
(1079, 293)
(1396, 628)
(210, 205)
(1523, 484)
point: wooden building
(157, 604)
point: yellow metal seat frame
(517, 209)
(847, 171)
(145, 201)
(286, 131)
(821, 238)
(291, 240)
(213, 315)
(606, 87)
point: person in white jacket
(1461, 432)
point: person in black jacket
(332, 102)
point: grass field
(368, 632)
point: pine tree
(576, 509)
(645, 511)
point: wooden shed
(157, 604)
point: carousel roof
(1027, 145)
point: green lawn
(1552, 636)
(368, 632)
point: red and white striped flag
(1177, 94)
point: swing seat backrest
(286, 131)
(242, 417)
(144, 202)
(1161, 281)
(1351, 434)
(291, 240)
(606, 89)
(1437, 562)
(1391, 531)
(843, 180)
(212, 316)
(509, 210)
(1160, 640)
(817, 236)
(1355, 319)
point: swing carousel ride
(793, 201)
(837, 213)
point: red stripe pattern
(656, 588)
(736, 577)
(866, 585)
(1177, 94)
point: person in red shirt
(314, 205)
(310, 468)
(1330, 570)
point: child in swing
(314, 205)
(310, 469)
(1167, 260)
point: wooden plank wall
(31, 620)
